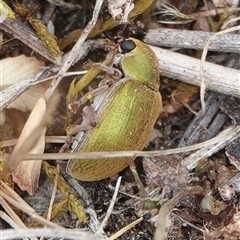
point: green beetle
(125, 118)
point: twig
(11, 93)
(192, 40)
(173, 65)
(211, 122)
(73, 234)
(192, 160)
(76, 48)
(167, 208)
(186, 69)
(28, 37)
(188, 223)
(110, 208)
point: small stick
(188, 223)
(28, 37)
(164, 37)
(160, 233)
(192, 160)
(110, 208)
(187, 69)
(73, 234)
(76, 48)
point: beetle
(126, 116)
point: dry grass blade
(170, 10)
(36, 134)
(13, 161)
(124, 229)
(203, 58)
(14, 199)
(229, 22)
(225, 136)
(6, 218)
(15, 220)
(48, 139)
(54, 191)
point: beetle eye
(127, 46)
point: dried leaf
(14, 70)
(26, 175)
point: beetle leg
(89, 122)
(114, 73)
(138, 181)
(103, 86)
